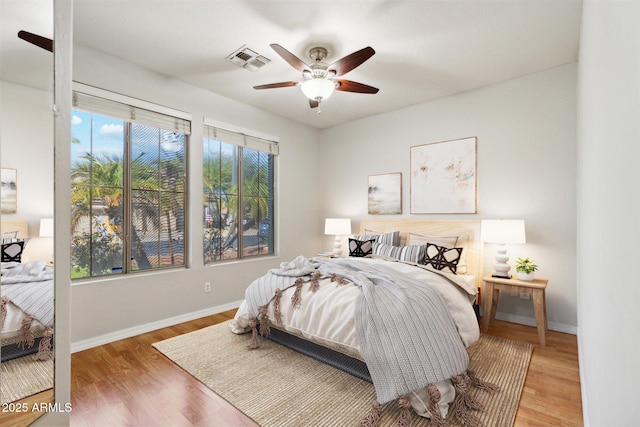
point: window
(128, 195)
(239, 195)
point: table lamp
(46, 230)
(502, 232)
(46, 227)
(338, 227)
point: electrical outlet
(207, 286)
(525, 295)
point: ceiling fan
(42, 42)
(319, 79)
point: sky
(105, 133)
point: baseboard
(148, 327)
(583, 388)
(529, 321)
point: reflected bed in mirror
(26, 316)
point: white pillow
(423, 239)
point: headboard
(436, 227)
(14, 224)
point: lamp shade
(46, 227)
(502, 231)
(318, 89)
(337, 226)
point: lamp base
(501, 268)
(508, 276)
(337, 246)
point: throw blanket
(261, 291)
(29, 286)
(408, 338)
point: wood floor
(22, 418)
(551, 394)
(129, 383)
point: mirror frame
(63, 60)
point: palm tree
(97, 191)
(172, 197)
(221, 196)
(221, 199)
(257, 189)
(158, 189)
(100, 179)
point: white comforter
(327, 316)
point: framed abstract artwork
(443, 177)
(385, 194)
(8, 191)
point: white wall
(26, 144)
(104, 307)
(525, 162)
(608, 199)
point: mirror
(26, 214)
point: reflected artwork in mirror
(26, 147)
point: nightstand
(535, 288)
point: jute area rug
(278, 387)
(23, 377)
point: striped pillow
(403, 253)
(392, 238)
(9, 235)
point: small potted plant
(525, 268)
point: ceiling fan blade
(42, 42)
(293, 60)
(349, 86)
(313, 103)
(349, 62)
(276, 85)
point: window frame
(147, 112)
(243, 138)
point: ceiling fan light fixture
(318, 78)
(317, 89)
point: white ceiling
(425, 49)
(19, 61)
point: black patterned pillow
(402, 253)
(441, 258)
(360, 248)
(12, 252)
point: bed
(26, 297)
(407, 284)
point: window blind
(240, 139)
(118, 110)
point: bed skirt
(14, 351)
(331, 357)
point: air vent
(248, 59)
